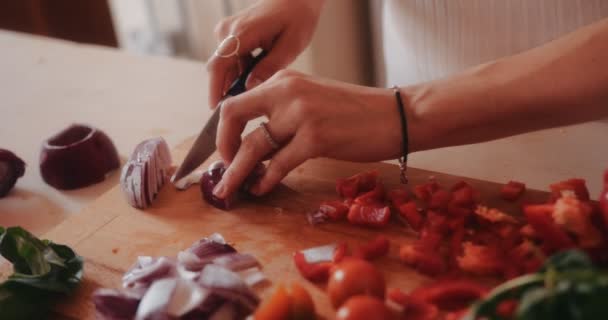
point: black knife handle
(238, 86)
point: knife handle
(238, 86)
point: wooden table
(47, 84)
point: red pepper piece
(340, 252)
(440, 199)
(398, 296)
(425, 260)
(362, 182)
(464, 195)
(413, 308)
(424, 191)
(437, 222)
(455, 210)
(369, 216)
(456, 315)
(335, 210)
(399, 197)
(540, 218)
(409, 212)
(373, 197)
(575, 185)
(450, 295)
(483, 260)
(374, 249)
(512, 190)
(315, 272)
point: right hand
(282, 27)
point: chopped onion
(187, 181)
(236, 261)
(11, 169)
(209, 247)
(229, 285)
(115, 304)
(320, 254)
(317, 217)
(145, 172)
(157, 299)
(191, 262)
(186, 297)
(226, 312)
(77, 157)
(253, 276)
(146, 271)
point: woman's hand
(282, 27)
(309, 117)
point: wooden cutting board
(110, 234)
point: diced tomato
(409, 212)
(369, 216)
(340, 252)
(464, 195)
(361, 182)
(315, 272)
(373, 197)
(512, 190)
(423, 259)
(540, 218)
(374, 249)
(450, 295)
(440, 199)
(335, 210)
(424, 191)
(506, 308)
(577, 186)
(484, 260)
(276, 307)
(302, 306)
(399, 197)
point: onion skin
(77, 157)
(15, 169)
(212, 177)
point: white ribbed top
(426, 39)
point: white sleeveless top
(421, 40)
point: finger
(251, 151)
(235, 113)
(280, 55)
(217, 68)
(285, 160)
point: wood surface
(110, 234)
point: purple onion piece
(147, 270)
(317, 217)
(156, 301)
(236, 261)
(228, 285)
(209, 247)
(11, 169)
(115, 304)
(212, 177)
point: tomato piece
(335, 209)
(409, 212)
(482, 260)
(373, 197)
(364, 308)
(341, 252)
(369, 216)
(277, 307)
(374, 249)
(420, 310)
(354, 277)
(439, 200)
(512, 190)
(424, 191)
(450, 295)
(362, 182)
(398, 197)
(577, 186)
(463, 194)
(315, 272)
(427, 261)
(398, 296)
(302, 306)
(540, 218)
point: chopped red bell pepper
(374, 249)
(340, 252)
(450, 295)
(335, 210)
(409, 212)
(512, 190)
(464, 195)
(362, 182)
(455, 210)
(440, 199)
(424, 191)
(456, 315)
(315, 272)
(425, 260)
(575, 185)
(540, 218)
(368, 215)
(374, 197)
(483, 260)
(437, 222)
(398, 296)
(398, 197)
(413, 308)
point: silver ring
(273, 143)
(234, 52)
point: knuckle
(278, 169)
(227, 111)
(250, 144)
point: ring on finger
(233, 53)
(271, 141)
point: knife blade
(204, 145)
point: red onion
(115, 304)
(212, 177)
(145, 172)
(77, 157)
(11, 169)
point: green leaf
(567, 260)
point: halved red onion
(145, 172)
(77, 157)
(11, 169)
(114, 304)
(212, 177)
(320, 254)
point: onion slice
(187, 181)
(11, 169)
(77, 157)
(115, 304)
(320, 254)
(147, 270)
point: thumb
(282, 53)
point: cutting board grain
(110, 234)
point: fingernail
(253, 82)
(218, 191)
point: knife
(204, 145)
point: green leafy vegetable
(43, 271)
(568, 286)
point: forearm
(560, 83)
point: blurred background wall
(341, 48)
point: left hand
(308, 117)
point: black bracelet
(405, 148)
